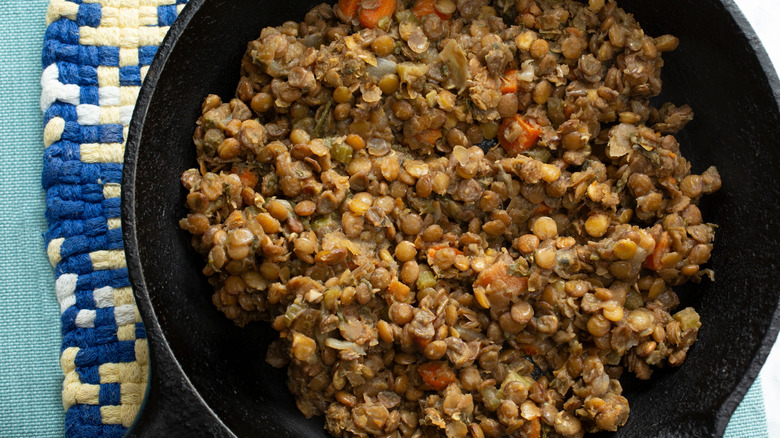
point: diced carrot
(498, 271)
(568, 110)
(509, 82)
(398, 290)
(526, 137)
(422, 342)
(533, 428)
(369, 18)
(429, 136)
(432, 250)
(349, 8)
(654, 260)
(247, 177)
(541, 209)
(436, 374)
(426, 7)
(528, 349)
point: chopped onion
(383, 67)
(455, 58)
(527, 71)
(378, 147)
(338, 344)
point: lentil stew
(463, 218)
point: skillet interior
(737, 127)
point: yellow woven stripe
(125, 332)
(61, 8)
(112, 190)
(53, 131)
(88, 394)
(122, 372)
(75, 392)
(99, 36)
(70, 387)
(144, 71)
(113, 259)
(122, 296)
(147, 15)
(128, 57)
(109, 16)
(110, 115)
(114, 223)
(102, 152)
(151, 36)
(128, 94)
(128, 17)
(132, 393)
(53, 250)
(122, 414)
(141, 352)
(68, 359)
(129, 36)
(108, 76)
(156, 3)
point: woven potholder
(95, 56)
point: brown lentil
(539, 48)
(349, 196)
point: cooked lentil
(431, 199)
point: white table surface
(764, 16)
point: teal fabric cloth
(30, 376)
(749, 420)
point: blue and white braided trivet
(95, 55)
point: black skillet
(209, 378)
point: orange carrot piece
(436, 374)
(533, 428)
(349, 8)
(528, 349)
(509, 82)
(422, 342)
(429, 136)
(248, 178)
(654, 260)
(427, 7)
(498, 271)
(369, 18)
(541, 209)
(525, 139)
(432, 250)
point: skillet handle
(172, 407)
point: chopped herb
(321, 120)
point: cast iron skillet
(209, 378)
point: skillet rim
(162, 357)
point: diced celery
(426, 279)
(688, 319)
